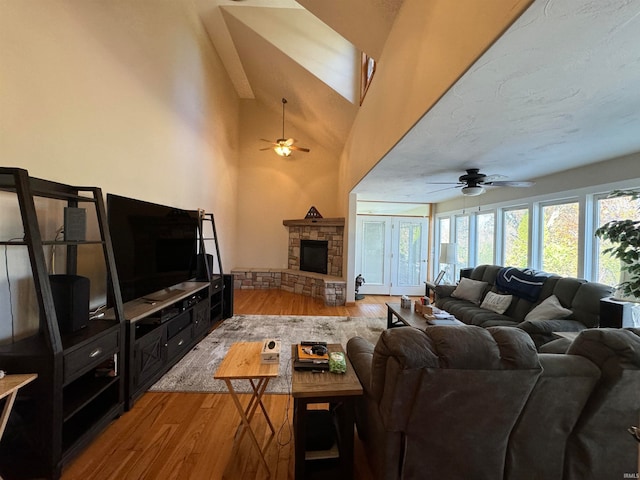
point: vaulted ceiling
(558, 90)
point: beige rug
(194, 373)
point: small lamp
(448, 255)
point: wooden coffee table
(336, 389)
(242, 362)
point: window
(485, 238)
(368, 69)
(608, 209)
(462, 242)
(560, 237)
(515, 240)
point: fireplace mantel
(320, 222)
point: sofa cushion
(549, 309)
(470, 290)
(496, 303)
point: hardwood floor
(190, 435)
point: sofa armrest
(360, 353)
(550, 326)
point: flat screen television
(154, 245)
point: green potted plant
(624, 236)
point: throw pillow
(470, 290)
(549, 309)
(496, 303)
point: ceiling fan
(473, 182)
(283, 146)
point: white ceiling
(560, 89)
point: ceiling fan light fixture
(472, 190)
(282, 150)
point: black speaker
(227, 296)
(71, 301)
(201, 267)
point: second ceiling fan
(284, 146)
(473, 182)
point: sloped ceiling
(558, 90)
(278, 48)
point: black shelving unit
(217, 287)
(74, 397)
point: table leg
(299, 422)
(7, 410)
(389, 318)
(346, 420)
(250, 410)
(245, 422)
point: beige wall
(125, 95)
(272, 188)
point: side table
(325, 387)
(9, 386)
(242, 362)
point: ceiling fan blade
(509, 184)
(444, 183)
(266, 148)
(268, 141)
(444, 189)
(302, 149)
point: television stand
(160, 329)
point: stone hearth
(331, 287)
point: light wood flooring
(190, 435)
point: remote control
(311, 344)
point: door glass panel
(373, 237)
(409, 253)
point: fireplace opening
(314, 255)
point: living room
(134, 98)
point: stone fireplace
(328, 286)
(330, 230)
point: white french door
(391, 254)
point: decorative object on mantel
(313, 213)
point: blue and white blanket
(523, 283)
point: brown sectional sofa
(460, 402)
(578, 295)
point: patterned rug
(194, 372)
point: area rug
(194, 372)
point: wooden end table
(307, 388)
(9, 386)
(242, 362)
